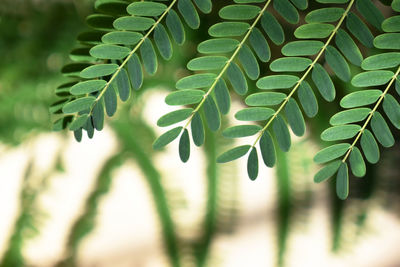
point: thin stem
(131, 54)
(371, 114)
(306, 73)
(227, 64)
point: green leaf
(267, 149)
(239, 12)
(78, 122)
(330, 14)
(265, 99)
(122, 38)
(222, 96)
(277, 82)
(241, 131)
(370, 12)
(233, 154)
(342, 181)
(81, 54)
(189, 13)
(167, 138)
(337, 63)
(64, 89)
(212, 114)
(388, 41)
(79, 104)
(100, 22)
(184, 97)
(357, 27)
(323, 82)
(313, 31)
(254, 114)
(360, 98)
(295, 117)
(372, 78)
(133, 23)
(396, 5)
(391, 24)
(220, 45)
(350, 116)
(397, 85)
(392, 110)
(300, 4)
(287, 11)
(135, 72)
(163, 42)
(237, 79)
(272, 28)
(197, 130)
(348, 47)
(249, 62)
(332, 1)
(307, 99)
(174, 117)
(91, 37)
(184, 146)
(331, 152)
(381, 130)
(98, 115)
(327, 172)
(196, 81)
(290, 64)
(112, 7)
(149, 57)
(149, 9)
(175, 27)
(99, 70)
(302, 48)
(110, 101)
(87, 87)
(340, 132)
(78, 135)
(207, 63)
(282, 133)
(228, 29)
(109, 51)
(123, 86)
(204, 5)
(357, 164)
(260, 45)
(57, 106)
(381, 61)
(252, 164)
(89, 128)
(62, 123)
(369, 147)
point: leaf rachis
(306, 73)
(371, 115)
(227, 63)
(132, 53)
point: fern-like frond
(362, 107)
(109, 64)
(339, 48)
(230, 55)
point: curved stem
(306, 73)
(131, 54)
(227, 64)
(371, 114)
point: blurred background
(113, 201)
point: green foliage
(124, 44)
(375, 74)
(107, 62)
